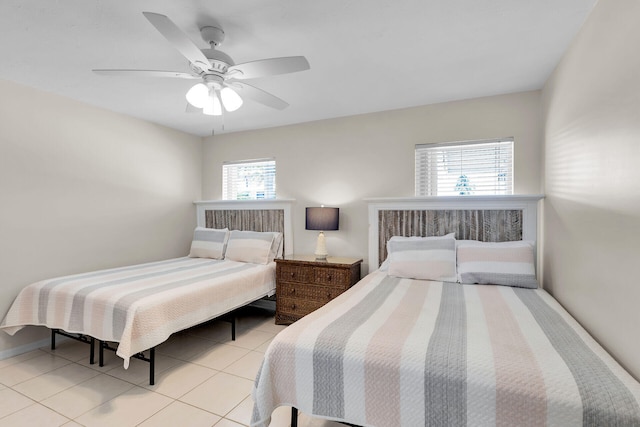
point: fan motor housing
(213, 80)
(219, 61)
(212, 35)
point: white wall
(592, 173)
(82, 189)
(340, 162)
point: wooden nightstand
(304, 284)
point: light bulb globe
(198, 95)
(212, 106)
(230, 99)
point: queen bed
(138, 307)
(396, 350)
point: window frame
(230, 189)
(430, 170)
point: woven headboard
(489, 219)
(254, 215)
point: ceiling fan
(220, 86)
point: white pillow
(497, 263)
(385, 264)
(427, 258)
(208, 243)
(251, 246)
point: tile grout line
(260, 327)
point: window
(249, 179)
(465, 168)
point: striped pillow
(251, 246)
(504, 263)
(208, 243)
(427, 258)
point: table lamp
(322, 219)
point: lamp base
(321, 247)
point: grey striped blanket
(140, 306)
(400, 352)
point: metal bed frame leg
(78, 337)
(140, 356)
(152, 365)
(294, 417)
(103, 344)
(233, 328)
(101, 353)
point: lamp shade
(323, 219)
(230, 99)
(209, 99)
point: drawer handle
(293, 306)
(329, 278)
(292, 291)
(293, 274)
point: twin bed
(140, 306)
(401, 351)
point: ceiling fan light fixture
(198, 95)
(217, 70)
(212, 106)
(230, 99)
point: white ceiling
(365, 55)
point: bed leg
(92, 352)
(294, 417)
(101, 353)
(152, 365)
(233, 328)
(53, 339)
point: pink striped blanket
(400, 352)
(140, 306)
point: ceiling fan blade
(258, 95)
(146, 73)
(269, 67)
(178, 39)
(191, 109)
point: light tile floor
(203, 378)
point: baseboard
(5, 354)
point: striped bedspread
(140, 306)
(398, 352)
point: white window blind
(249, 179)
(465, 168)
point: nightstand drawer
(331, 276)
(297, 307)
(294, 273)
(320, 293)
